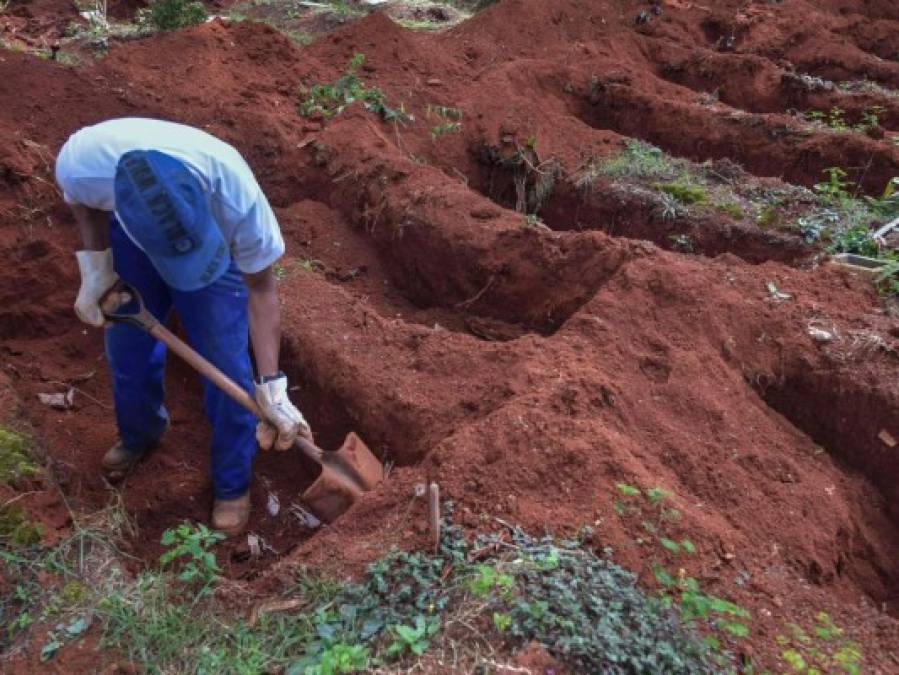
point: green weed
(414, 639)
(190, 545)
(16, 529)
(684, 192)
(338, 659)
(329, 100)
(835, 119)
(15, 460)
(447, 120)
(310, 265)
(732, 209)
(823, 649)
(887, 280)
(637, 159)
(166, 15)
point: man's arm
(283, 420)
(93, 226)
(265, 321)
(94, 262)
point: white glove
(97, 277)
(282, 421)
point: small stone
(887, 438)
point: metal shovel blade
(346, 474)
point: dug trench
(857, 550)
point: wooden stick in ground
(434, 515)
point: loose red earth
(525, 370)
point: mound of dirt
(525, 368)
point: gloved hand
(97, 277)
(282, 421)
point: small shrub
(329, 100)
(191, 545)
(168, 15)
(834, 190)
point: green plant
(824, 649)
(588, 612)
(502, 621)
(168, 15)
(339, 659)
(887, 205)
(835, 119)
(637, 159)
(191, 545)
(329, 100)
(447, 120)
(769, 216)
(278, 271)
(887, 280)
(834, 191)
(16, 529)
(15, 460)
(732, 209)
(488, 579)
(310, 265)
(693, 605)
(650, 508)
(684, 192)
(413, 639)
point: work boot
(119, 460)
(231, 515)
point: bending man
(178, 214)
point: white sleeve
(64, 177)
(78, 188)
(256, 241)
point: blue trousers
(216, 321)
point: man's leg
(137, 359)
(216, 321)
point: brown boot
(231, 515)
(119, 461)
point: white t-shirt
(86, 166)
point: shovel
(346, 473)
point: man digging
(178, 214)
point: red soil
(525, 370)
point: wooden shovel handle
(123, 294)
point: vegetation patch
(328, 100)
(822, 649)
(583, 609)
(165, 15)
(15, 460)
(835, 119)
